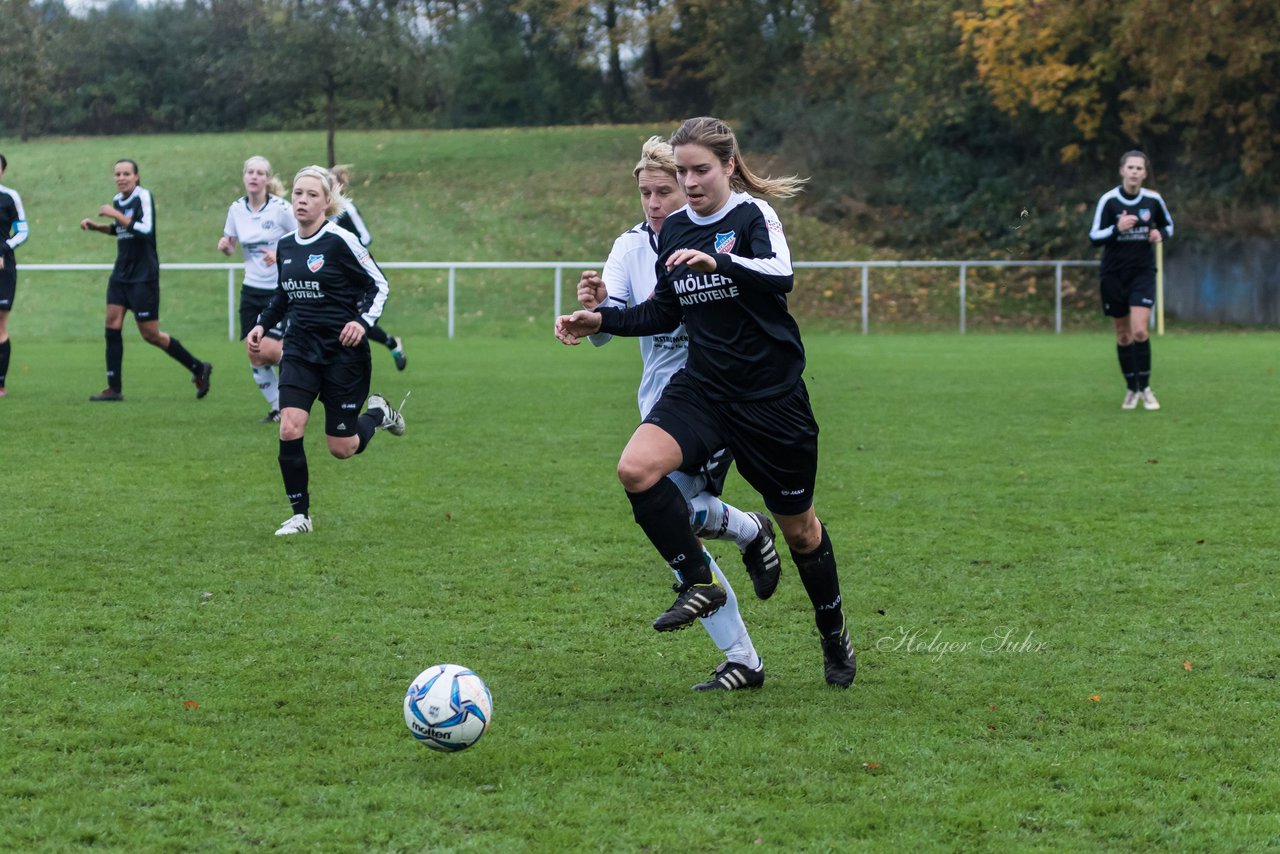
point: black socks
(662, 513)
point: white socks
(268, 384)
(715, 520)
(725, 626)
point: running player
(349, 218)
(255, 222)
(629, 278)
(724, 268)
(332, 291)
(135, 281)
(1128, 221)
(13, 232)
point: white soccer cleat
(295, 524)
(1148, 399)
(1130, 400)
(392, 420)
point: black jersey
(743, 343)
(13, 223)
(351, 221)
(1130, 249)
(323, 282)
(136, 258)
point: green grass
(974, 487)
(173, 677)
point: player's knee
(636, 475)
(344, 447)
(803, 534)
(1124, 339)
(1140, 335)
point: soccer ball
(448, 707)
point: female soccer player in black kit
(724, 268)
(1129, 221)
(333, 292)
(135, 282)
(349, 218)
(13, 232)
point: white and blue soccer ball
(448, 707)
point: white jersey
(256, 232)
(630, 275)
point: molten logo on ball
(448, 707)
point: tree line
(970, 119)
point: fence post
(865, 296)
(559, 271)
(963, 271)
(1057, 298)
(452, 298)
(231, 304)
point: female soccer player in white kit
(256, 221)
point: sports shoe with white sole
(1148, 399)
(1130, 400)
(392, 420)
(272, 417)
(397, 353)
(839, 661)
(733, 676)
(692, 601)
(295, 524)
(761, 558)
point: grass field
(1064, 611)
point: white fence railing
(234, 270)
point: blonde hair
(716, 136)
(342, 174)
(656, 154)
(274, 185)
(336, 201)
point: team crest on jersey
(315, 262)
(725, 241)
(1144, 214)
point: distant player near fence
(350, 219)
(1129, 221)
(135, 281)
(13, 231)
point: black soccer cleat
(201, 379)
(397, 353)
(692, 601)
(733, 676)
(108, 394)
(761, 558)
(272, 417)
(839, 661)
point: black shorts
(341, 384)
(252, 302)
(142, 298)
(1125, 289)
(8, 284)
(774, 442)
